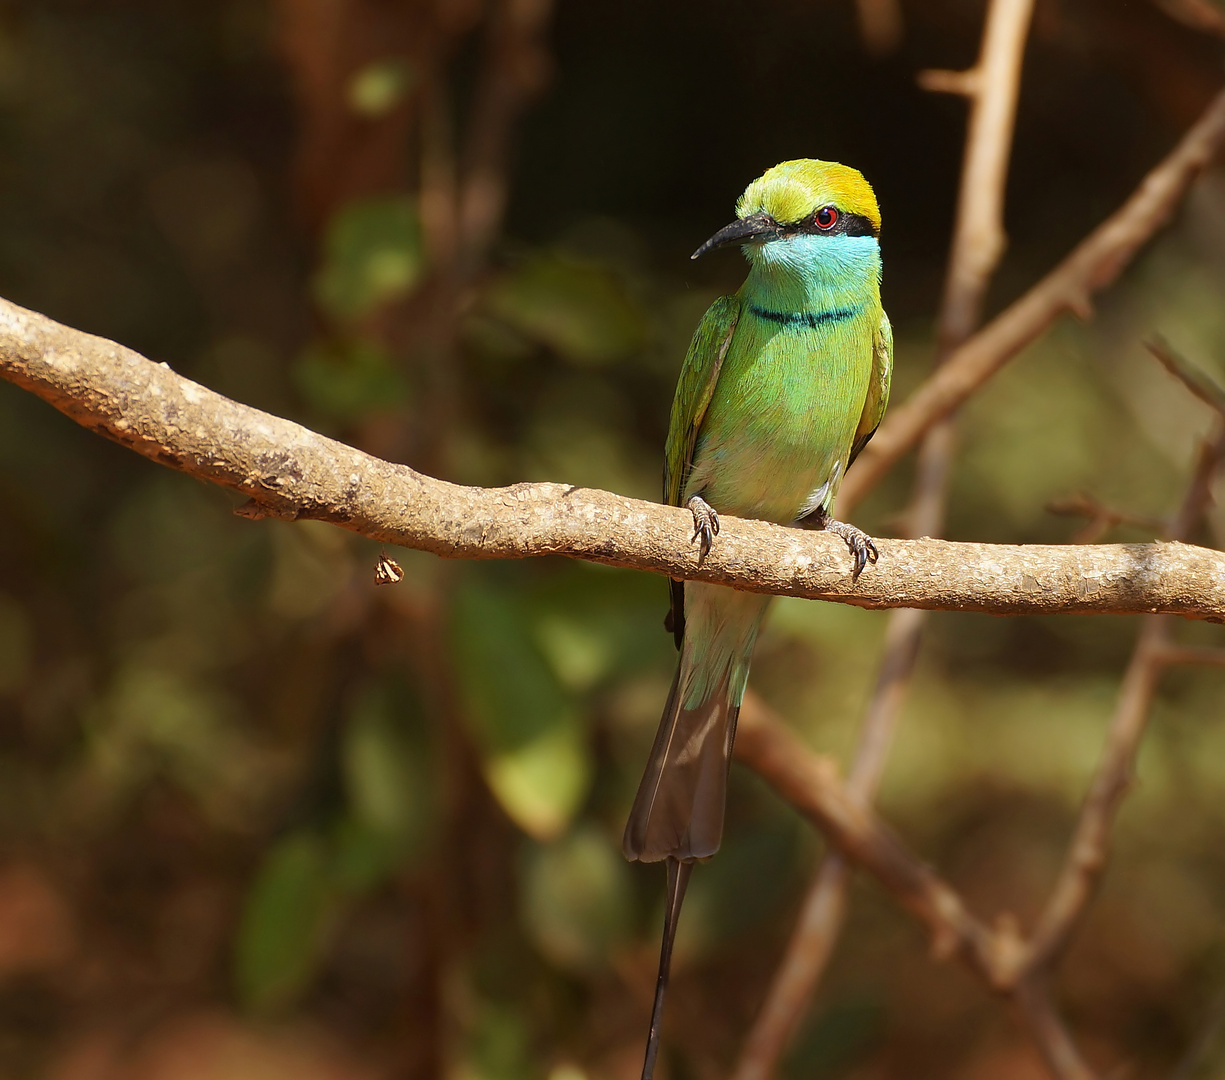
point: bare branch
(880, 25)
(1034, 1000)
(978, 242)
(1195, 379)
(810, 783)
(293, 473)
(516, 69)
(1102, 518)
(1086, 857)
(1095, 263)
(1201, 1045)
(939, 81)
(808, 951)
(1204, 655)
(1087, 853)
(978, 235)
(1199, 14)
(821, 916)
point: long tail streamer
(678, 880)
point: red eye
(826, 218)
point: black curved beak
(756, 227)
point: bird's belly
(767, 472)
(780, 429)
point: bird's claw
(860, 543)
(705, 525)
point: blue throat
(812, 280)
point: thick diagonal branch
(810, 783)
(1095, 263)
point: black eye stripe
(846, 225)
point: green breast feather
(794, 407)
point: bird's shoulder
(877, 399)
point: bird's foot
(857, 540)
(705, 525)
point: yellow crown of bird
(792, 190)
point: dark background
(259, 819)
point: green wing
(878, 387)
(694, 390)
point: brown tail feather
(678, 812)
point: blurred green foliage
(574, 307)
(345, 380)
(246, 780)
(525, 728)
(577, 900)
(284, 924)
(371, 255)
(379, 87)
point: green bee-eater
(784, 383)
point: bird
(783, 384)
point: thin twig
(1102, 518)
(978, 234)
(515, 70)
(1033, 998)
(1199, 14)
(342, 153)
(1194, 378)
(293, 473)
(1086, 857)
(978, 243)
(1203, 655)
(808, 951)
(437, 200)
(1201, 1045)
(880, 25)
(1096, 262)
(822, 913)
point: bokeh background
(261, 819)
